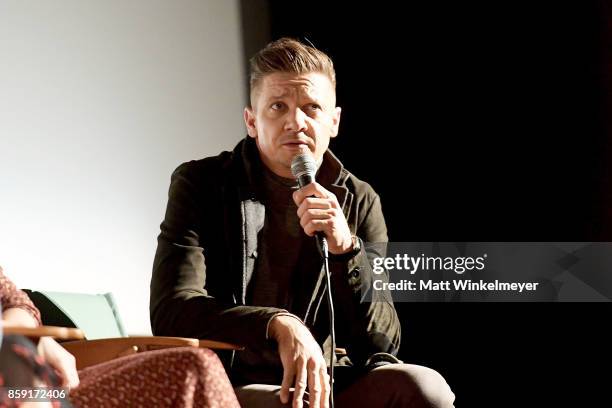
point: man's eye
(277, 105)
(314, 106)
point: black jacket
(206, 255)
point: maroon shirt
(11, 297)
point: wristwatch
(350, 254)
(356, 245)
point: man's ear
(336, 121)
(249, 121)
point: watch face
(356, 244)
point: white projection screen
(99, 102)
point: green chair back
(95, 314)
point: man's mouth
(296, 144)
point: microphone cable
(322, 242)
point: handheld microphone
(304, 168)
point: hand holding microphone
(318, 208)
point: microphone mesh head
(304, 167)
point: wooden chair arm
(91, 352)
(60, 333)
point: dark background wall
(477, 121)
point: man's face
(290, 113)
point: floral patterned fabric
(10, 297)
(182, 377)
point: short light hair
(287, 55)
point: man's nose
(296, 121)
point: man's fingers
(314, 385)
(312, 189)
(317, 225)
(288, 375)
(300, 384)
(316, 215)
(326, 387)
(311, 203)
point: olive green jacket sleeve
(192, 296)
(366, 320)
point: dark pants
(393, 385)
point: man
(237, 261)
